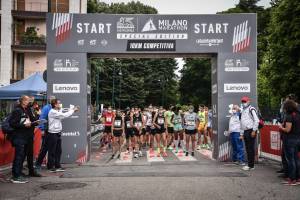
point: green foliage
(281, 68)
(132, 7)
(195, 84)
(30, 37)
(137, 81)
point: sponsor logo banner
(237, 65)
(65, 65)
(154, 45)
(126, 25)
(237, 88)
(209, 42)
(66, 88)
(73, 133)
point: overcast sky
(189, 7)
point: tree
(281, 67)
(195, 84)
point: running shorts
(107, 129)
(178, 127)
(143, 131)
(136, 132)
(191, 132)
(117, 133)
(129, 133)
(170, 130)
(160, 130)
(201, 127)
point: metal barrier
(270, 142)
(7, 151)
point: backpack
(5, 126)
(261, 122)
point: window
(60, 6)
(20, 66)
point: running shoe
(170, 148)
(198, 147)
(119, 156)
(112, 156)
(140, 154)
(136, 155)
(187, 153)
(60, 169)
(242, 163)
(19, 180)
(247, 168)
(165, 154)
(289, 182)
(193, 154)
(176, 151)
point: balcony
(29, 41)
(29, 9)
(37, 9)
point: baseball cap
(245, 99)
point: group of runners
(157, 129)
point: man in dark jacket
(21, 120)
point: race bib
(160, 121)
(138, 124)
(108, 119)
(118, 123)
(128, 124)
(190, 123)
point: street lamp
(120, 74)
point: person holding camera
(55, 118)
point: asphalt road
(171, 179)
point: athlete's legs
(187, 140)
(193, 136)
(157, 138)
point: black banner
(151, 45)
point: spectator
(21, 120)
(291, 141)
(55, 117)
(236, 138)
(44, 129)
(249, 127)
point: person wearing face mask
(191, 121)
(22, 121)
(249, 127)
(118, 133)
(235, 137)
(55, 118)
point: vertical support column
(67, 80)
(214, 91)
(236, 78)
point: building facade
(23, 35)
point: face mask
(245, 105)
(234, 111)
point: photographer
(55, 117)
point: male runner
(161, 124)
(118, 133)
(191, 121)
(169, 114)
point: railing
(31, 41)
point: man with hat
(249, 127)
